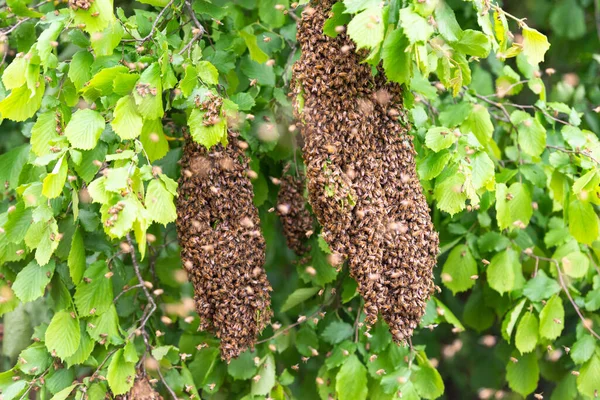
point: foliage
(93, 102)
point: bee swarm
(361, 175)
(222, 246)
(294, 216)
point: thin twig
(154, 25)
(15, 26)
(565, 289)
(576, 152)
(136, 269)
(127, 290)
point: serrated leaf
(503, 270)
(84, 129)
(208, 73)
(513, 205)
(438, 138)
(76, 260)
(54, 183)
(588, 381)
(298, 296)
(121, 374)
(95, 297)
(263, 386)
(336, 332)
(575, 264)
(243, 367)
(338, 18)
(583, 221)
(473, 43)
(159, 203)
(351, 380)
(552, 318)
(256, 52)
(97, 17)
(22, 104)
(531, 133)
(526, 337)
(427, 379)
(44, 133)
(449, 192)
(127, 122)
(523, 376)
(583, 349)
(367, 28)
(458, 269)
(535, 45)
(32, 280)
(396, 59)
(63, 334)
(80, 68)
(153, 139)
(149, 96)
(209, 135)
(416, 27)
(540, 287)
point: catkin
(222, 246)
(361, 177)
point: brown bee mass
(80, 4)
(295, 218)
(141, 390)
(221, 243)
(361, 175)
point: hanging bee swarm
(361, 175)
(295, 218)
(222, 246)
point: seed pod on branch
(222, 248)
(361, 175)
(295, 218)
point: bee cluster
(296, 219)
(80, 4)
(222, 247)
(361, 175)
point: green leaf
(208, 73)
(14, 75)
(338, 18)
(21, 104)
(588, 381)
(209, 135)
(11, 165)
(503, 270)
(439, 138)
(575, 264)
(256, 52)
(19, 221)
(540, 287)
(32, 280)
(351, 380)
(513, 205)
(552, 318)
(337, 331)
(523, 375)
(532, 134)
(367, 28)
(97, 17)
(433, 164)
(148, 93)
(155, 3)
(583, 221)
(43, 133)
(34, 359)
(427, 379)
(270, 15)
(64, 394)
(44, 46)
(263, 386)
(298, 296)
(104, 43)
(449, 191)
(243, 367)
(153, 139)
(105, 327)
(80, 68)
(85, 348)
(583, 349)
(458, 269)
(526, 337)
(127, 122)
(535, 45)
(63, 334)
(483, 170)
(121, 373)
(417, 28)
(54, 182)
(95, 297)
(84, 129)
(396, 58)
(354, 6)
(159, 203)
(76, 260)
(473, 43)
